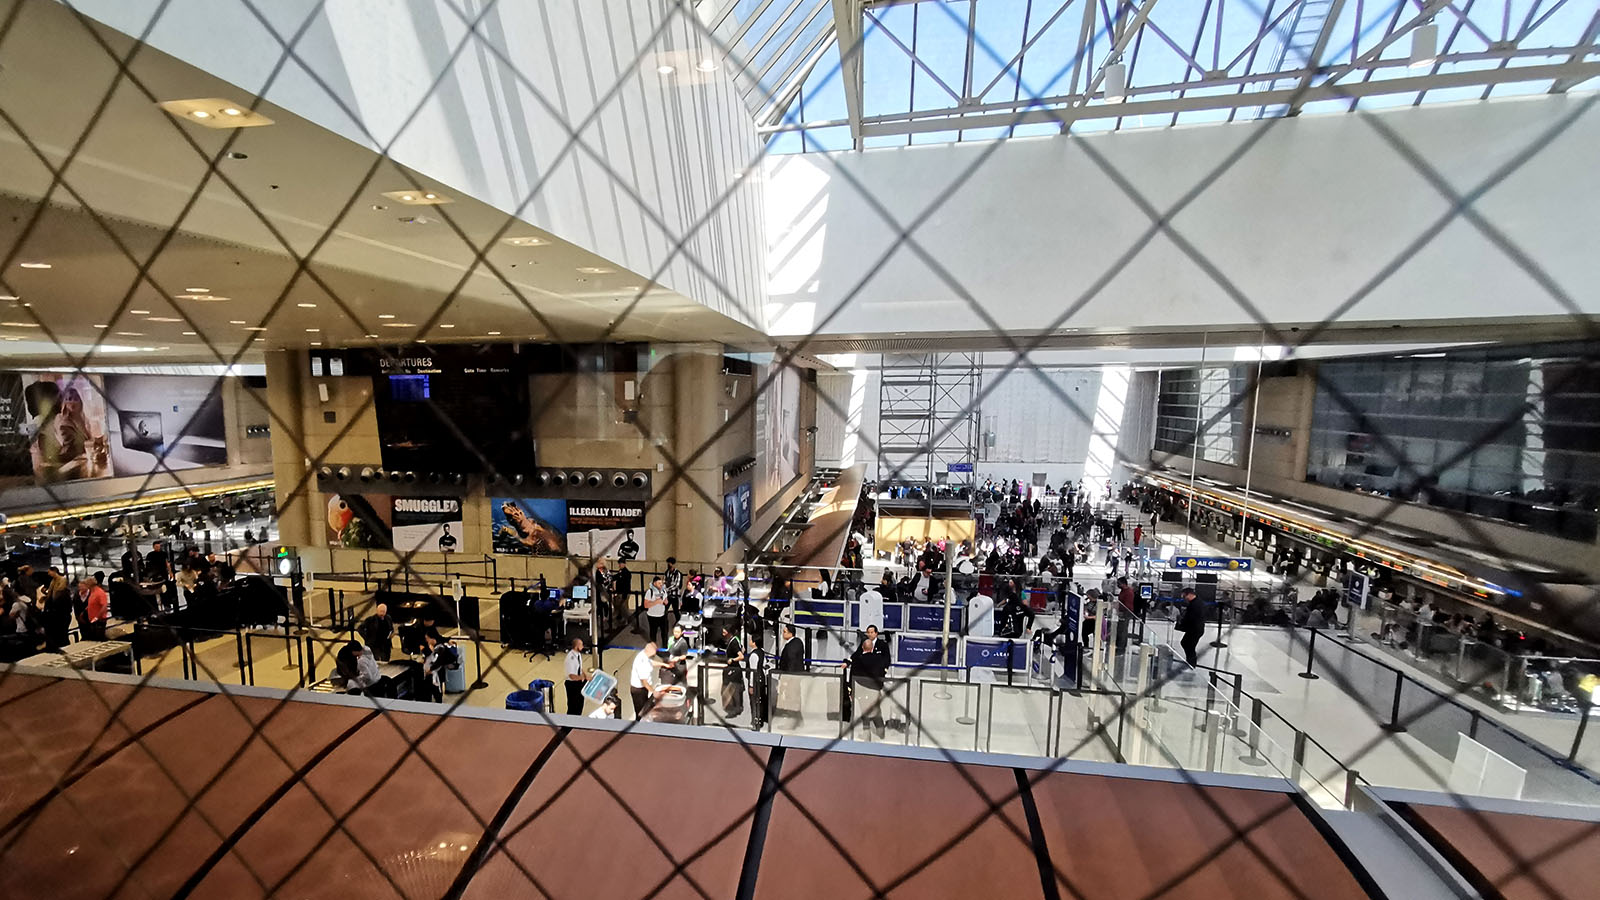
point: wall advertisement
(359, 521)
(613, 529)
(528, 527)
(64, 427)
(777, 431)
(426, 524)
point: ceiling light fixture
(371, 335)
(399, 325)
(666, 70)
(446, 326)
(525, 241)
(122, 333)
(255, 328)
(34, 265)
(237, 322)
(202, 298)
(214, 112)
(385, 315)
(188, 334)
(493, 333)
(306, 305)
(595, 270)
(313, 330)
(417, 198)
(140, 312)
(198, 290)
(706, 65)
(163, 319)
(20, 324)
(1424, 45)
(102, 326)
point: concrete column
(697, 415)
(289, 462)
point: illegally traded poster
(359, 521)
(427, 524)
(606, 530)
(529, 527)
(66, 426)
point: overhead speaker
(594, 479)
(409, 478)
(619, 480)
(435, 477)
(558, 478)
(640, 479)
(544, 479)
(394, 477)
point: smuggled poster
(529, 527)
(359, 521)
(606, 530)
(428, 524)
(65, 423)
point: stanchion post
(477, 655)
(1577, 739)
(1394, 726)
(1219, 642)
(309, 656)
(1311, 657)
(238, 650)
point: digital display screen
(408, 388)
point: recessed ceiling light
(10, 338)
(313, 330)
(9, 297)
(163, 319)
(316, 343)
(188, 334)
(198, 290)
(258, 340)
(127, 333)
(371, 335)
(398, 325)
(417, 198)
(446, 326)
(634, 287)
(255, 328)
(525, 241)
(140, 312)
(20, 324)
(306, 305)
(237, 322)
(493, 333)
(34, 265)
(202, 298)
(102, 326)
(214, 112)
(706, 65)
(665, 69)
(385, 315)
(595, 270)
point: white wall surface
(656, 156)
(1298, 224)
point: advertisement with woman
(65, 426)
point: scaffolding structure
(928, 417)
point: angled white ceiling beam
(847, 25)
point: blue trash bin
(455, 679)
(525, 701)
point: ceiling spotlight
(665, 70)
(417, 198)
(1424, 45)
(34, 265)
(228, 114)
(1116, 82)
(706, 65)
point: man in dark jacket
(868, 666)
(378, 632)
(1192, 622)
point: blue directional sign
(991, 654)
(1211, 563)
(959, 467)
(919, 650)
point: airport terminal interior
(730, 449)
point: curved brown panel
(915, 828)
(580, 842)
(1514, 856)
(1120, 838)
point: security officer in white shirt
(576, 678)
(642, 678)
